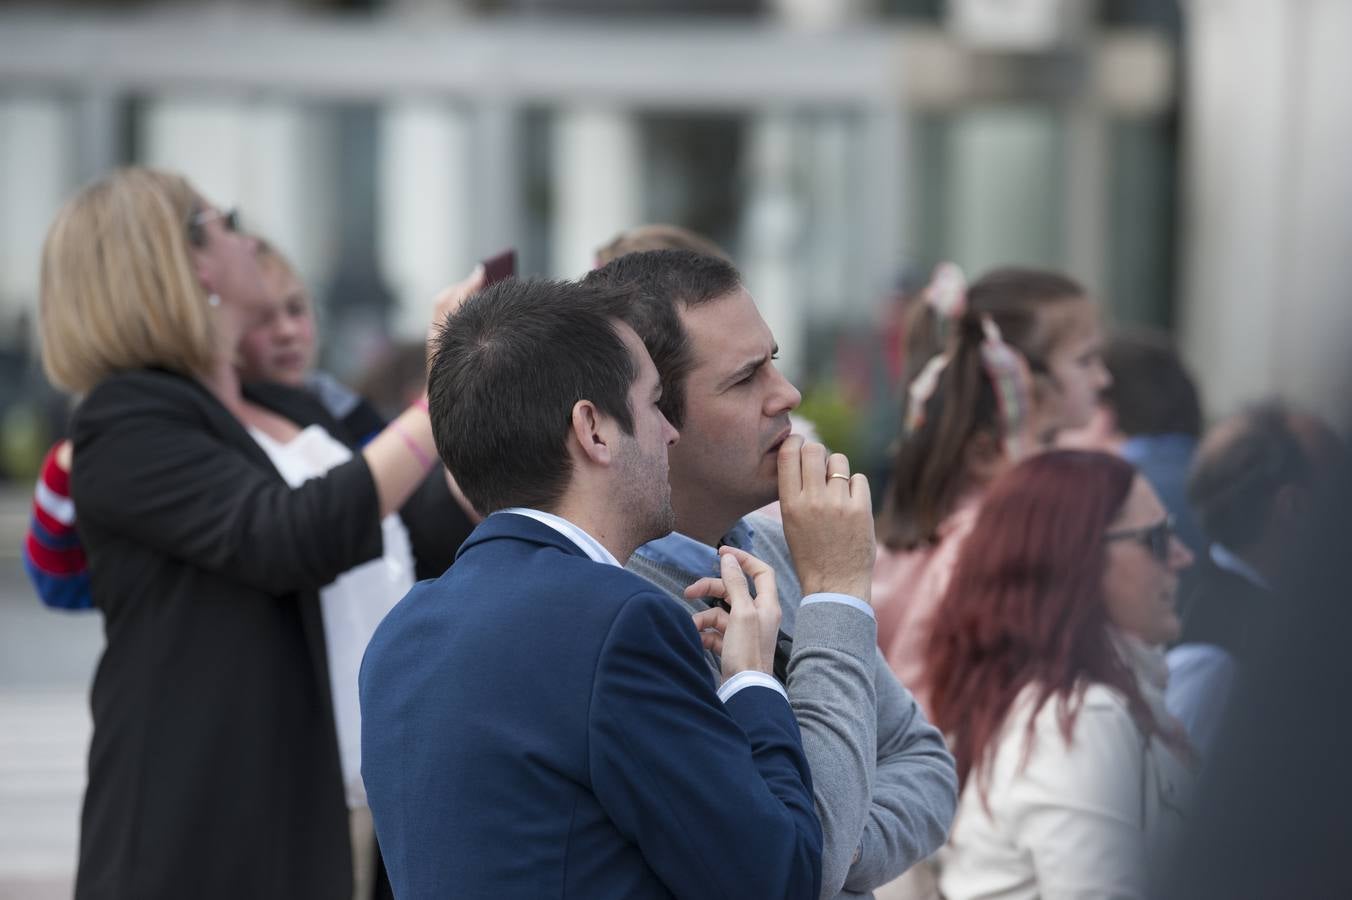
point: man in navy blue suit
(539, 722)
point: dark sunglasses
(1157, 538)
(197, 233)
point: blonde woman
(215, 767)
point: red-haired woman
(1045, 673)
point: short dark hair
(1234, 481)
(658, 283)
(1151, 392)
(507, 369)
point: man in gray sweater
(884, 783)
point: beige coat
(1078, 821)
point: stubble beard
(728, 485)
(648, 493)
(664, 522)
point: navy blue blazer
(538, 725)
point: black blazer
(213, 768)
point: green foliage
(839, 424)
(23, 441)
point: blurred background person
(1150, 414)
(659, 236)
(284, 348)
(1256, 478)
(1270, 818)
(227, 531)
(1048, 678)
(281, 348)
(984, 402)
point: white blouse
(1079, 820)
(355, 602)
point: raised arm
(395, 474)
(828, 529)
(153, 469)
(883, 779)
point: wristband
(418, 452)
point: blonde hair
(117, 289)
(270, 257)
(658, 237)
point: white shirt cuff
(749, 679)
(840, 598)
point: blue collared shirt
(696, 557)
(699, 559)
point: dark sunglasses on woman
(1157, 538)
(197, 233)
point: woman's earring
(213, 300)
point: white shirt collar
(585, 542)
(1227, 560)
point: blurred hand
(828, 521)
(64, 456)
(451, 299)
(744, 638)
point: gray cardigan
(883, 780)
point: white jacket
(1078, 821)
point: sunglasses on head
(197, 233)
(1157, 538)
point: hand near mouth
(828, 520)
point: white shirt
(354, 604)
(1080, 820)
(598, 553)
(589, 545)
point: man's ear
(590, 433)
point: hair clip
(1012, 382)
(946, 294)
(920, 391)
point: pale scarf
(1147, 663)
